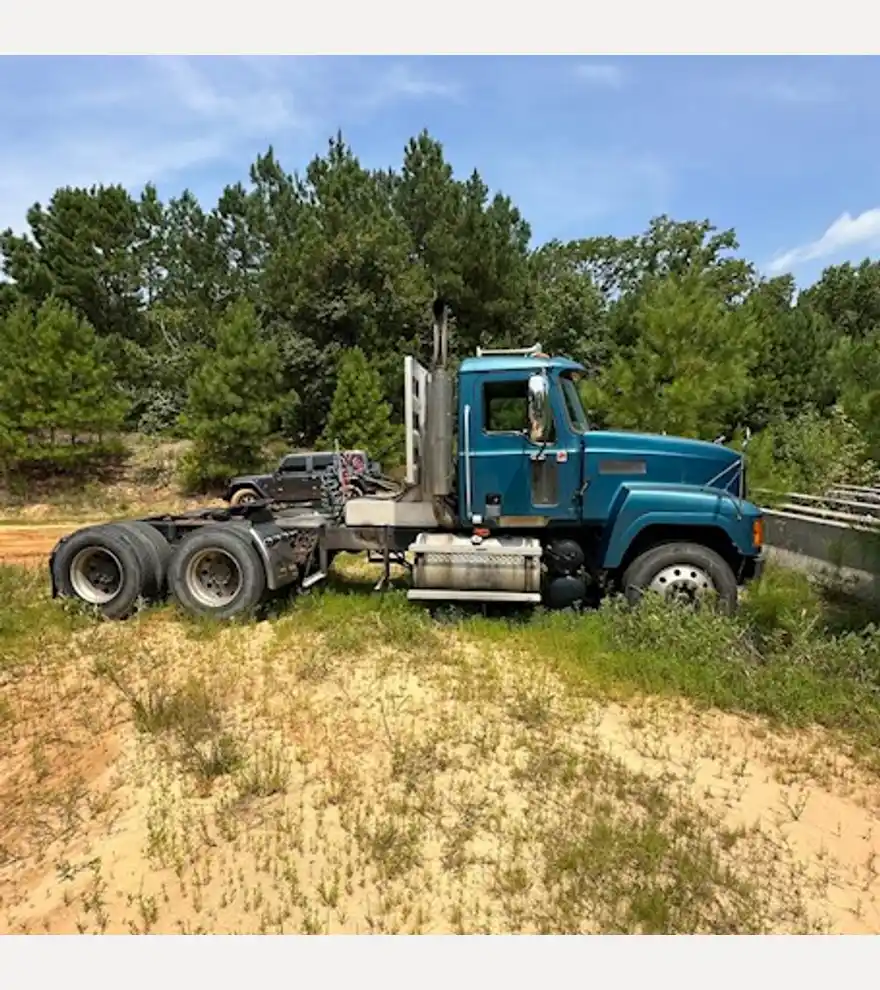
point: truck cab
(643, 510)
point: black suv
(298, 477)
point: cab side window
(506, 407)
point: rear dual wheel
(111, 567)
(217, 571)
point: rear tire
(243, 496)
(217, 572)
(103, 567)
(687, 570)
(155, 554)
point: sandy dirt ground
(30, 545)
(283, 776)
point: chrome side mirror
(540, 417)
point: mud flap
(751, 568)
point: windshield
(576, 417)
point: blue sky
(783, 149)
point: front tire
(682, 571)
(244, 496)
(217, 572)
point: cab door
(496, 466)
(556, 463)
(508, 479)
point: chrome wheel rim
(683, 583)
(96, 575)
(213, 577)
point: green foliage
(848, 296)
(84, 249)
(360, 417)
(232, 400)
(794, 370)
(676, 329)
(54, 379)
(568, 314)
(809, 453)
(858, 369)
(688, 368)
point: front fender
(245, 481)
(640, 506)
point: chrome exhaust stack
(438, 449)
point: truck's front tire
(217, 572)
(677, 571)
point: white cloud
(786, 91)
(847, 232)
(401, 82)
(132, 122)
(161, 118)
(601, 74)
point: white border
(449, 27)
(427, 962)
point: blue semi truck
(508, 497)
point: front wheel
(682, 572)
(244, 496)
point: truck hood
(667, 459)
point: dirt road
(31, 544)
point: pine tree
(55, 378)
(14, 332)
(360, 417)
(76, 388)
(688, 369)
(232, 399)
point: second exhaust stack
(438, 448)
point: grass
(796, 653)
(792, 655)
(191, 717)
(30, 622)
(355, 765)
